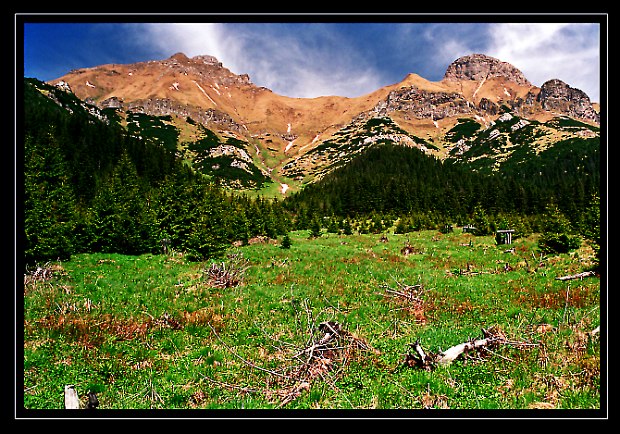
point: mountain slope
(287, 137)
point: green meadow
(329, 323)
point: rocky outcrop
(482, 67)
(112, 102)
(206, 68)
(555, 95)
(422, 104)
(63, 85)
(488, 106)
(165, 106)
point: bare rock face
(112, 102)
(555, 95)
(166, 106)
(481, 67)
(203, 66)
(423, 104)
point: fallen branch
(323, 356)
(409, 292)
(227, 275)
(426, 360)
(452, 353)
(577, 276)
(420, 358)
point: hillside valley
(185, 149)
(192, 241)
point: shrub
(286, 242)
(557, 236)
(558, 242)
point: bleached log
(448, 356)
(577, 276)
(71, 397)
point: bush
(286, 242)
(558, 243)
(557, 236)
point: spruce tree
(315, 227)
(347, 229)
(286, 242)
(591, 224)
(122, 220)
(557, 236)
(49, 202)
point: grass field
(155, 332)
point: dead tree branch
(227, 274)
(322, 358)
(491, 339)
(577, 276)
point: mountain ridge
(280, 129)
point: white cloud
(307, 64)
(447, 42)
(543, 51)
(313, 59)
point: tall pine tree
(49, 201)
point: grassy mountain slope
(304, 138)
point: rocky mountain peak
(480, 67)
(555, 95)
(179, 57)
(207, 59)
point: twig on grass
(247, 362)
(244, 389)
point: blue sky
(307, 58)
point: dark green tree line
(425, 192)
(90, 187)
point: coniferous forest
(404, 183)
(89, 186)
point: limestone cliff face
(484, 74)
(168, 106)
(481, 67)
(423, 104)
(555, 95)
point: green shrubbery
(558, 236)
